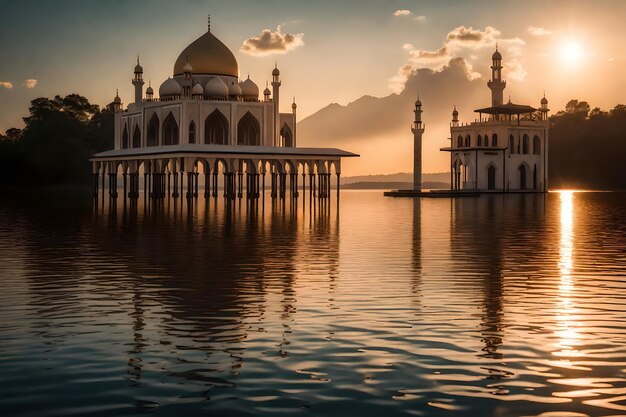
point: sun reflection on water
(566, 318)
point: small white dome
(197, 90)
(216, 88)
(149, 90)
(275, 71)
(249, 89)
(267, 91)
(187, 67)
(170, 88)
(234, 90)
(117, 99)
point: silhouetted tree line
(587, 147)
(59, 136)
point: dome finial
(496, 46)
(209, 23)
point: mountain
(378, 128)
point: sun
(571, 52)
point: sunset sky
(328, 51)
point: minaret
(455, 117)
(418, 130)
(149, 92)
(544, 108)
(138, 83)
(275, 95)
(496, 84)
(294, 106)
(266, 93)
(187, 79)
(117, 102)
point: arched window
(125, 138)
(536, 145)
(468, 141)
(479, 141)
(286, 136)
(192, 132)
(491, 177)
(136, 137)
(170, 130)
(525, 144)
(459, 142)
(248, 131)
(486, 140)
(522, 177)
(153, 131)
(535, 177)
(216, 129)
(511, 144)
(494, 140)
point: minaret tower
(117, 102)
(418, 130)
(455, 117)
(544, 108)
(138, 83)
(275, 95)
(496, 84)
(294, 106)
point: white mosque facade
(206, 120)
(505, 149)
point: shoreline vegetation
(51, 152)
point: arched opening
(535, 177)
(192, 132)
(491, 177)
(153, 131)
(286, 136)
(459, 142)
(136, 137)
(494, 140)
(125, 138)
(525, 144)
(486, 140)
(479, 141)
(511, 144)
(522, 177)
(170, 130)
(216, 129)
(248, 131)
(468, 141)
(536, 145)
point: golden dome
(207, 55)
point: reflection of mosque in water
(480, 230)
(208, 278)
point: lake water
(492, 306)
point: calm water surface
(492, 306)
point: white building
(505, 149)
(207, 119)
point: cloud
(461, 42)
(515, 70)
(30, 83)
(269, 42)
(6, 84)
(404, 12)
(457, 65)
(539, 31)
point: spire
(209, 23)
(137, 59)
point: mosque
(504, 150)
(207, 120)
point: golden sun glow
(572, 52)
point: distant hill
(400, 177)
